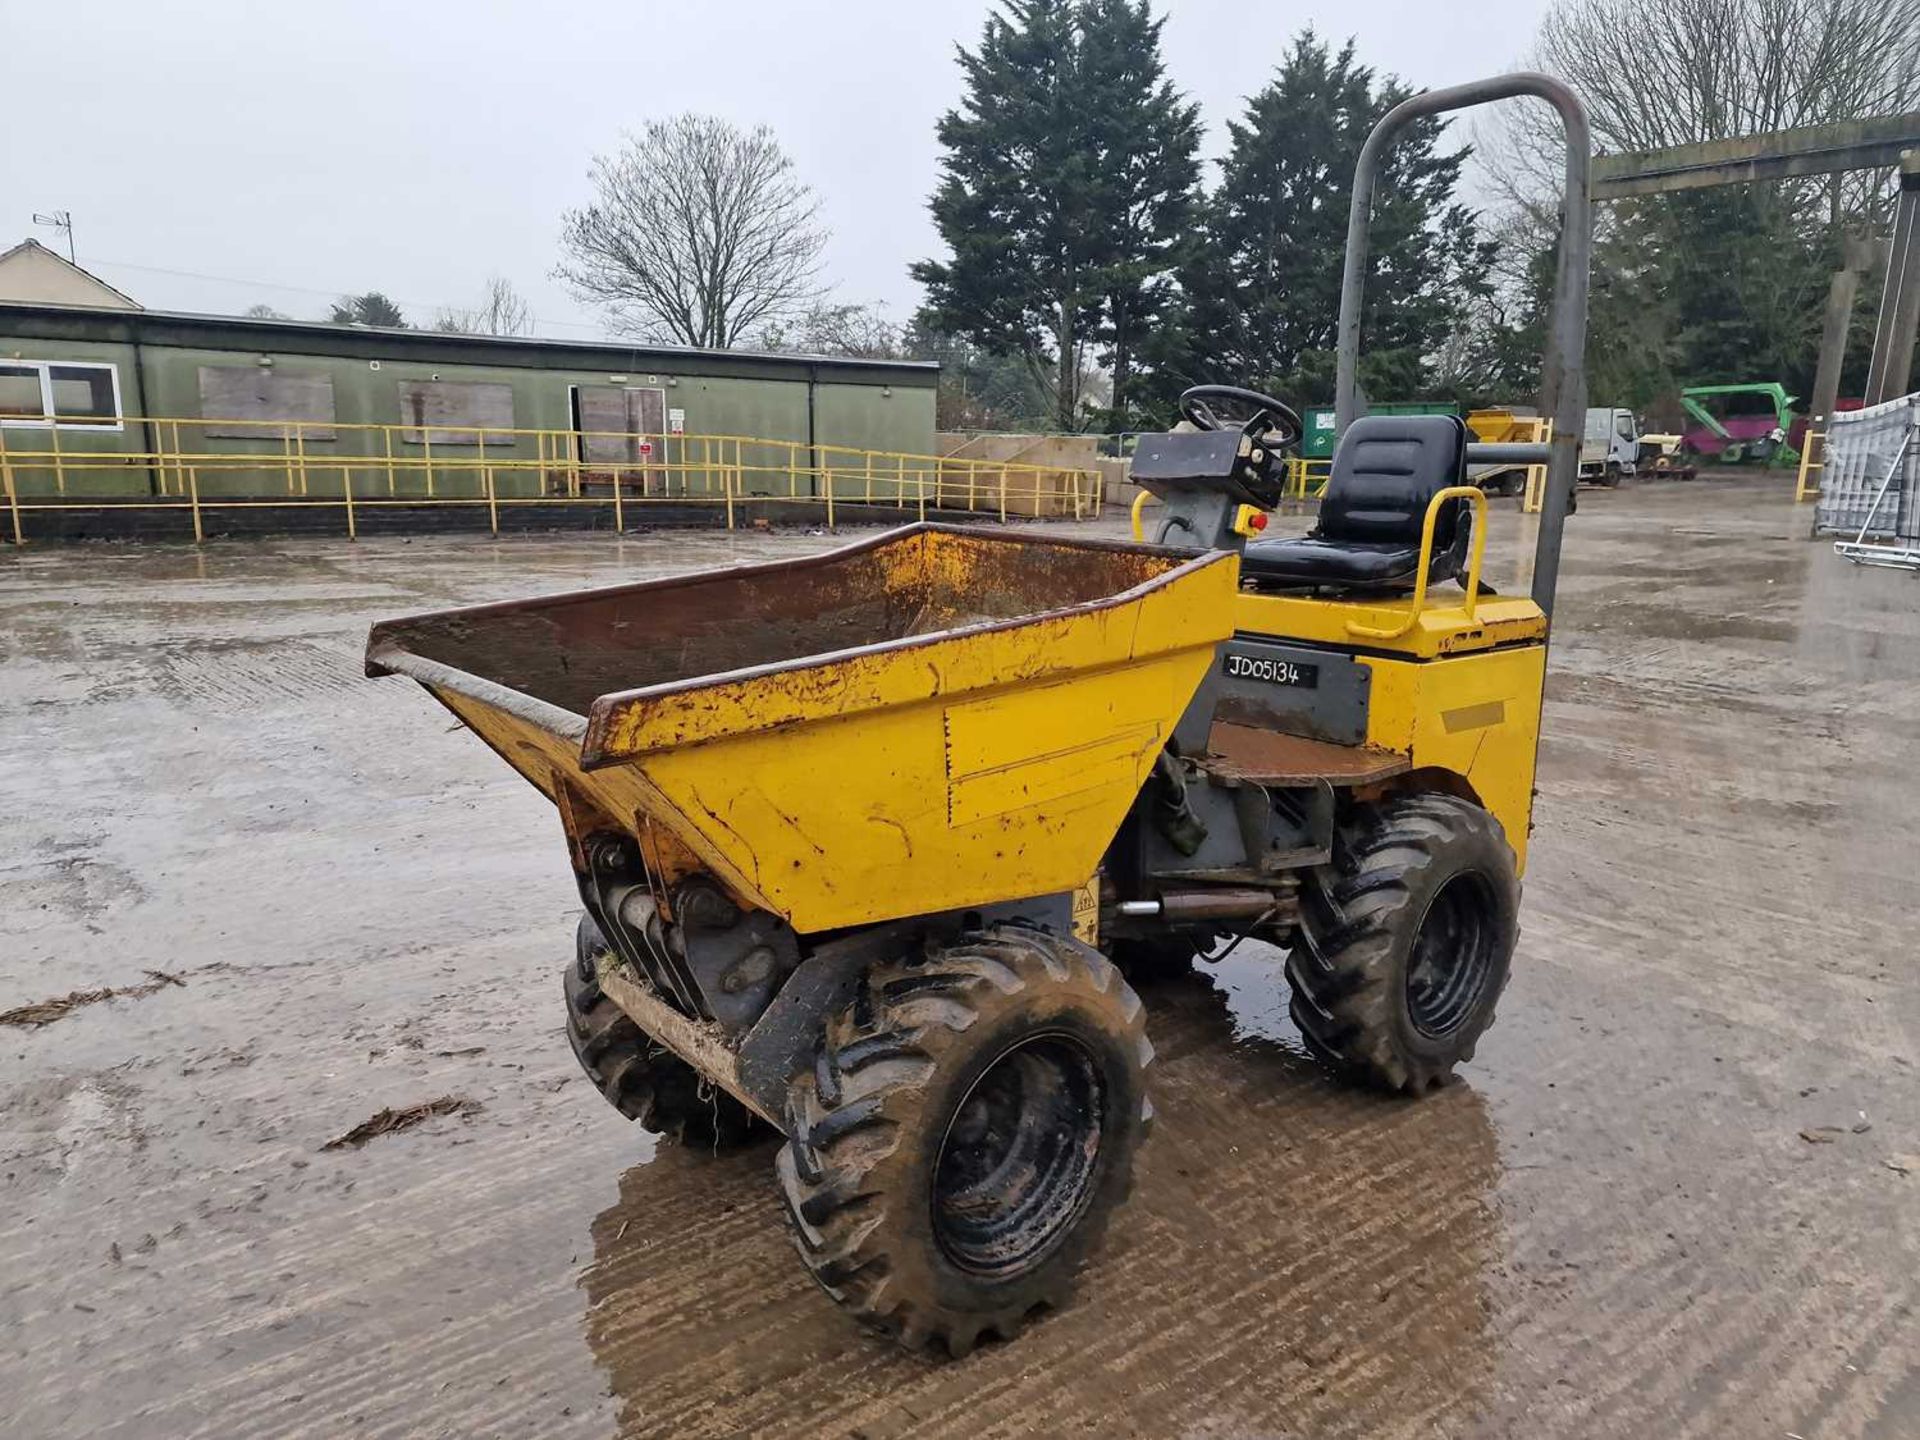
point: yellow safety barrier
(1815, 440)
(1534, 499)
(1476, 497)
(308, 464)
(1306, 478)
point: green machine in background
(1755, 424)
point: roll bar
(1563, 366)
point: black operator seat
(1385, 471)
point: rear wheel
(644, 1081)
(1405, 941)
(969, 1126)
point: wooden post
(193, 500)
(426, 443)
(59, 465)
(346, 489)
(386, 433)
(619, 516)
(300, 451)
(493, 505)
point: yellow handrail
(1139, 503)
(1477, 497)
(1302, 472)
(321, 463)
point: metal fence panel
(1870, 483)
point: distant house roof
(32, 273)
(309, 337)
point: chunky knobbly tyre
(642, 1080)
(1405, 940)
(970, 1123)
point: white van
(1610, 448)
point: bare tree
(699, 233)
(263, 312)
(503, 312)
(1658, 73)
(1706, 284)
(861, 331)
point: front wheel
(969, 1125)
(1405, 941)
(643, 1080)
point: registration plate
(1292, 673)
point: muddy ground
(1612, 1227)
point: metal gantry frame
(1886, 141)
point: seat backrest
(1386, 471)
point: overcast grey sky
(417, 148)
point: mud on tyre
(1405, 941)
(969, 1125)
(642, 1080)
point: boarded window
(239, 393)
(614, 423)
(449, 412)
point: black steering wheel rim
(1194, 408)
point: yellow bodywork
(1455, 692)
(974, 757)
(958, 764)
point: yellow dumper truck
(869, 842)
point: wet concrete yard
(1612, 1227)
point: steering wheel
(1196, 406)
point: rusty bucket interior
(568, 650)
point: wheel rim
(1453, 956)
(1016, 1166)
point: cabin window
(73, 394)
